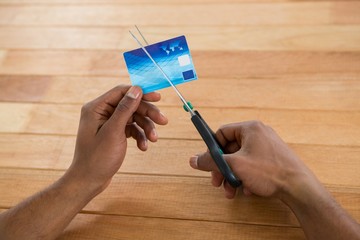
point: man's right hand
(269, 168)
(258, 156)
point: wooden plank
(154, 196)
(213, 64)
(338, 93)
(35, 88)
(52, 89)
(308, 127)
(169, 197)
(89, 226)
(3, 54)
(173, 2)
(169, 157)
(206, 14)
(166, 157)
(97, 226)
(15, 119)
(109, 63)
(297, 67)
(266, 37)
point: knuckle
(85, 109)
(123, 107)
(256, 125)
(224, 126)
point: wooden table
(294, 65)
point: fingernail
(194, 162)
(134, 92)
(162, 115)
(145, 143)
(154, 133)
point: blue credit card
(172, 55)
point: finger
(246, 192)
(152, 97)
(138, 134)
(232, 147)
(238, 164)
(147, 125)
(216, 178)
(233, 132)
(226, 134)
(230, 192)
(99, 110)
(113, 96)
(203, 162)
(125, 109)
(151, 111)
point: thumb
(203, 162)
(127, 106)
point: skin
(101, 144)
(269, 168)
(257, 155)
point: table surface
(294, 65)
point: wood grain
(2, 56)
(264, 37)
(309, 127)
(126, 2)
(169, 157)
(169, 14)
(282, 92)
(294, 64)
(87, 226)
(214, 64)
(169, 197)
(95, 226)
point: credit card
(172, 55)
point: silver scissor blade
(189, 109)
(141, 35)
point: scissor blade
(189, 109)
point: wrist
(84, 188)
(303, 190)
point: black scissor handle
(215, 149)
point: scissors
(208, 136)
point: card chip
(188, 75)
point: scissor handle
(215, 149)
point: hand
(105, 125)
(257, 155)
